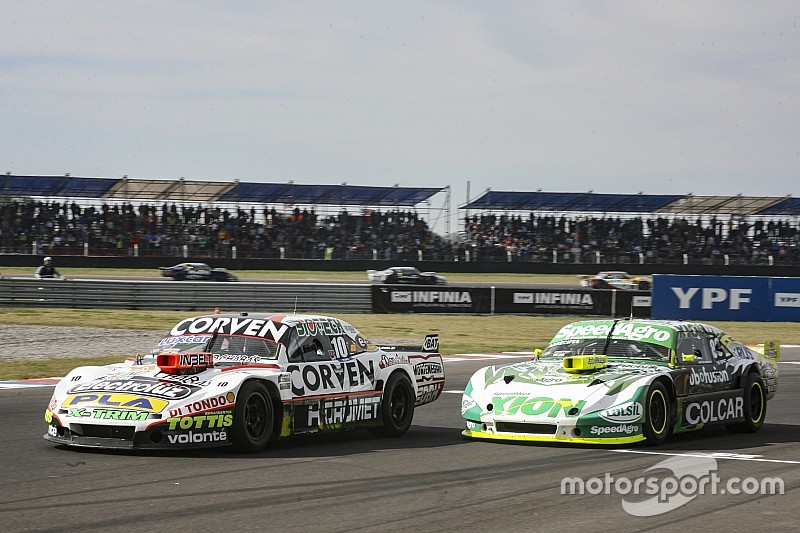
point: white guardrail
(187, 295)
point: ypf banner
(755, 299)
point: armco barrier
(738, 298)
(317, 297)
(186, 295)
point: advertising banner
(711, 298)
(544, 301)
(430, 299)
(785, 300)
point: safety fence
(186, 295)
(287, 297)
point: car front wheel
(657, 413)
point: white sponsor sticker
(523, 297)
(787, 299)
(401, 296)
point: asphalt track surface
(432, 479)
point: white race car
(245, 380)
(616, 279)
(405, 275)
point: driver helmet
(48, 259)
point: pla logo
(623, 414)
(116, 401)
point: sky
(614, 97)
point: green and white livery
(624, 381)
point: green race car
(624, 381)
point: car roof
(290, 319)
(674, 326)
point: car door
(703, 369)
(319, 383)
(359, 363)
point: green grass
(458, 334)
(47, 368)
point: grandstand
(185, 218)
(114, 216)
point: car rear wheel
(755, 406)
(657, 413)
(253, 418)
(179, 276)
(397, 406)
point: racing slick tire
(397, 406)
(179, 276)
(657, 410)
(755, 405)
(253, 418)
(644, 285)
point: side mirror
(688, 358)
(537, 353)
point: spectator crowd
(55, 228)
(616, 240)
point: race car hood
(144, 394)
(542, 389)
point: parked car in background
(405, 275)
(616, 279)
(196, 272)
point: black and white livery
(246, 380)
(196, 272)
(406, 276)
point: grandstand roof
(65, 186)
(169, 190)
(787, 206)
(210, 191)
(571, 201)
(329, 194)
(721, 205)
(636, 203)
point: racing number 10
(340, 346)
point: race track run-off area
(431, 479)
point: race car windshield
(233, 349)
(622, 348)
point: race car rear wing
(426, 365)
(429, 345)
